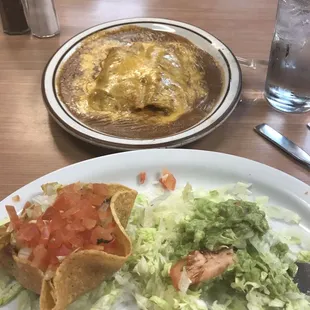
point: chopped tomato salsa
(80, 218)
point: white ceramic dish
(223, 108)
(200, 168)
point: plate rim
(291, 180)
(130, 144)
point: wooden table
(33, 145)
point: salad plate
(288, 198)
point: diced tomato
(56, 240)
(111, 247)
(175, 273)
(76, 240)
(87, 212)
(111, 226)
(100, 189)
(86, 236)
(26, 206)
(142, 177)
(92, 213)
(15, 221)
(40, 257)
(99, 233)
(76, 225)
(28, 234)
(70, 212)
(45, 231)
(48, 214)
(70, 223)
(63, 251)
(71, 188)
(57, 222)
(95, 200)
(53, 260)
(65, 201)
(168, 180)
(89, 223)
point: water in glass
(288, 79)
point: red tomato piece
(99, 233)
(53, 260)
(76, 240)
(111, 226)
(57, 222)
(112, 247)
(89, 223)
(15, 221)
(71, 188)
(63, 251)
(65, 201)
(168, 180)
(70, 212)
(76, 225)
(94, 199)
(87, 211)
(26, 206)
(100, 189)
(45, 231)
(142, 177)
(175, 273)
(56, 240)
(48, 214)
(86, 235)
(29, 234)
(40, 257)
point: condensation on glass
(41, 17)
(288, 78)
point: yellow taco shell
(80, 271)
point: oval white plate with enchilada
(142, 83)
(250, 220)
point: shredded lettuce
(165, 227)
(304, 257)
(9, 288)
(28, 301)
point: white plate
(200, 168)
(221, 111)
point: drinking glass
(41, 17)
(288, 79)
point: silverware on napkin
(283, 143)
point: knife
(302, 277)
(283, 143)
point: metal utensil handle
(284, 143)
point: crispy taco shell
(80, 271)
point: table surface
(32, 144)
